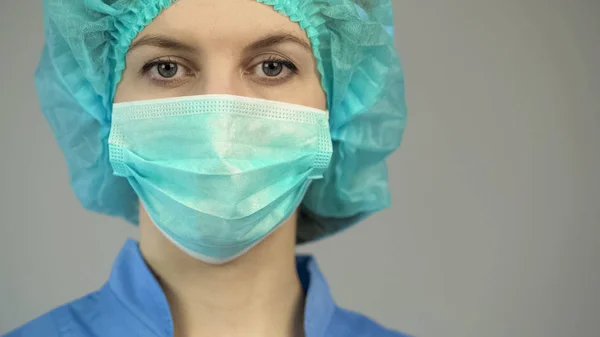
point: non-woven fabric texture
(84, 57)
(216, 194)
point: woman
(229, 131)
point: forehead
(223, 22)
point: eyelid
(168, 59)
(148, 68)
(290, 68)
(271, 56)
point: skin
(219, 47)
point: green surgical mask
(218, 173)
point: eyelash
(145, 70)
(277, 80)
(291, 66)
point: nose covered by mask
(218, 173)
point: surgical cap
(84, 57)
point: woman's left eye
(274, 70)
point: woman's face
(237, 47)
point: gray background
(495, 224)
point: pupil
(167, 70)
(272, 68)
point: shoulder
(58, 322)
(347, 323)
(44, 325)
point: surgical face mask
(218, 173)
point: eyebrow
(271, 40)
(165, 42)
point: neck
(257, 294)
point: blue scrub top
(132, 303)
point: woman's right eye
(165, 72)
